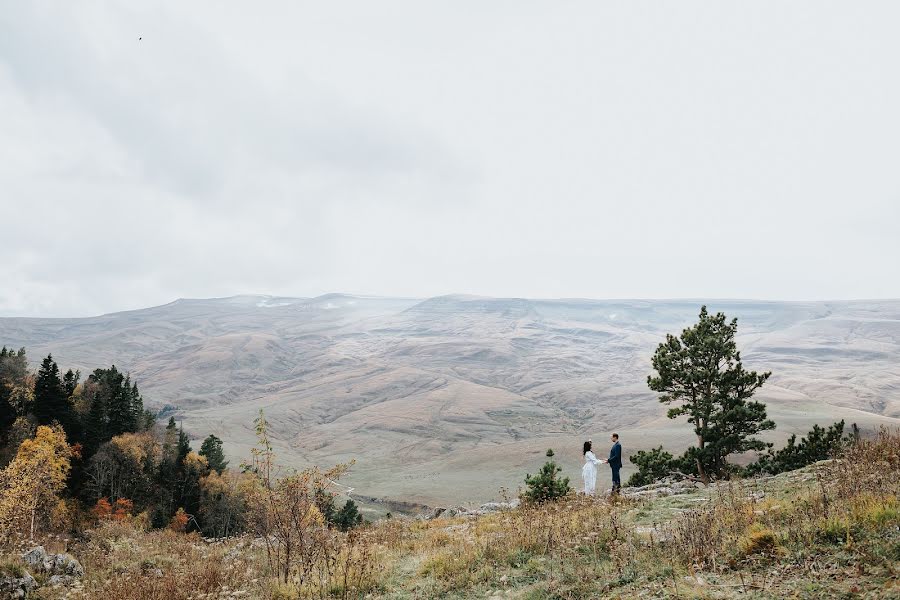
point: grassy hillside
(831, 530)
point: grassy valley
(448, 399)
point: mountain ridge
(419, 390)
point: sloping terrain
(451, 398)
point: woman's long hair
(587, 447)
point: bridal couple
(589, 471)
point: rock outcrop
(62, 569)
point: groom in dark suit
(615, 462)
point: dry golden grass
(825, 531)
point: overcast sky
(553, 149)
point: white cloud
(526, 149)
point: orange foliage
(123, 509)
(103, 509)
(179, 521)
(119, 511)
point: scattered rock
(63, 569)
(12, 586)
(489, 507)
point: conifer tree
(95, 424)
(70, 382)
(348, 517)
(547, 485)
(184, 445)
(50, 399)
(13, 375)
(211, 449)
(118, 397)
(701, 373)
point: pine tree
(13, 374)
(702, 374)
(348, 517)
(70, 382)
(118, 408)
(652, 464)
(138, 414)
(167, 476)
(547, 485)
(819, 444)
(51, 400)
(212, 450)
(184, 445)
(95, 424)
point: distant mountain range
(451, 398)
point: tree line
(74, 452)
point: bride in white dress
(589, 470)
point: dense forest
(77, 450)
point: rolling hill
(451, 398)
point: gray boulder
(17, 585)
(62, 568)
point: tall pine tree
(701, 373)
(51, 399)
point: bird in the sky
(140, 38)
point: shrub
(546, 485)
(819, 444)
(758, 540)
(179, 521)
(653, 465)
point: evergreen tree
(95, 424)
(118, 403)
(348, 517)
(211, 449)
(653, 465)
(819, 444)
(702, 374)
(116, 407)
(184, 445)
(547, 485)
(51, 400)
(138, 414)
(13, 373)
(70, 382)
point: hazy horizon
(453, 294)
(691, 150)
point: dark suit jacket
(615, 456)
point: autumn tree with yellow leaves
(284, 511)
(30, 485)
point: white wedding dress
(589, 472)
